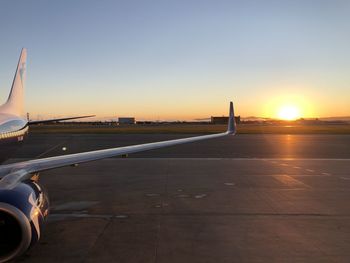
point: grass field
(191, 129)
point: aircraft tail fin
(231, 127)
(15, 102)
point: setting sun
(289, 113)
(288, 106)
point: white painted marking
(209, 159)
(151, 195)
(200, 196)
(328, 174)
(296, 167)
(245, 159)
(345, 178)
(229, 184)
(309, 170)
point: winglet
(231, 128)
(14, 103)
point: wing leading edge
(14, 173)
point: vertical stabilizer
(15, 102)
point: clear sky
(178, 59)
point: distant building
(223, 120)
(126, 120)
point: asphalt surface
(248, 198)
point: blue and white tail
(15, 102)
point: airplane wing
(12, 174)
(60, 119)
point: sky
(178, 60)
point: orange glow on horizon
(286, 103)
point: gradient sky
(178, 59)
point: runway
(248, 198)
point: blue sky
(178, 59)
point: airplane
(24, 205)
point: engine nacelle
(23, 211)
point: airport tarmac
(247, 198)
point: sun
(289, 112)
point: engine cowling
(23, 210)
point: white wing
(17, 172)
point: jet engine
(23, 210)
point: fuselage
(13, 130)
